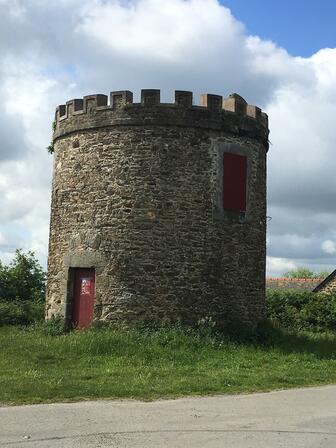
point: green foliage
(23, 279)
(297, 310)
(50, 149)
(299, 273)
(20, 313)
(305, 273)
(22, 290)
(51, 327)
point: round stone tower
(158, 210)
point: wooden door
(83, 297)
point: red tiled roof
(303, 284)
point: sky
(280, 56)
(302, 27)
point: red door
(83, 298)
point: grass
(116, 363)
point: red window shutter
(234, 182)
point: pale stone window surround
(218, 210)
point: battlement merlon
(231, 114)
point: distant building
(299, 284)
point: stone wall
(136, 194)
(327, 285)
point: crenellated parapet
(232, 114)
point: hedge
(294, 310)
(20, 313)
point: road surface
(300, 418)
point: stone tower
(158, 210)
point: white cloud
(75, 47)
(329, 247)
(3, 240)
(275, 266)
(171, 31)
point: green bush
(23, 280)
(296, 310)
(22, 290)
(305, 273)
(20, 313)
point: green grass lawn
(115, 363)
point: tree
(305, 273)
(23, 280)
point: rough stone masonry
(138, 195)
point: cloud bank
(71, 48)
